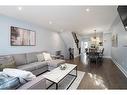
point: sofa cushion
(32, 57)
(32, 66)
(28, 67)
(56, 62)
(7, 62)
(40, 71)
(20, 59)
(40, 64)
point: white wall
(46, 40)
(119, 54)
(107, 44)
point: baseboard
(107, 57)
(121, 68)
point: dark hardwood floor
(104, 75)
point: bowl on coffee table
(63, 67)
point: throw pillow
(7, 62)
(40, 57)
(47, 56)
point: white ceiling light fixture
(95, 36)
(19, 8)
(50, 22)
(87, 9)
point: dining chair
(101, 54)
(92, 56)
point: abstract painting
(22, 37)
(114, 40)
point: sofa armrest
(53, 56)
(37, 83)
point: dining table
(94, 54)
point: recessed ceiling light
(50, 22)
(19, 8)
(87, 10)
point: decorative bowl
(63, 66)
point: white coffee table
(57, 75)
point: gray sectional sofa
(29, 62)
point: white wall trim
(107, 57)
(120, 67)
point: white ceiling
(68, 18)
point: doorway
(84, 45)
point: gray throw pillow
(7, 62)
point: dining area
(93, 47)
(94, 55)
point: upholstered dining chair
(101, 54)
(92, 56)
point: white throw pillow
(47, 56)
(40, 57)
(21, 74)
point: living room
(62, 47)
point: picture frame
(22, 37)
(114, 40)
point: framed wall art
(114, 40)
(22, 37)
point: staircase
(76, 40)
(70, 42)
